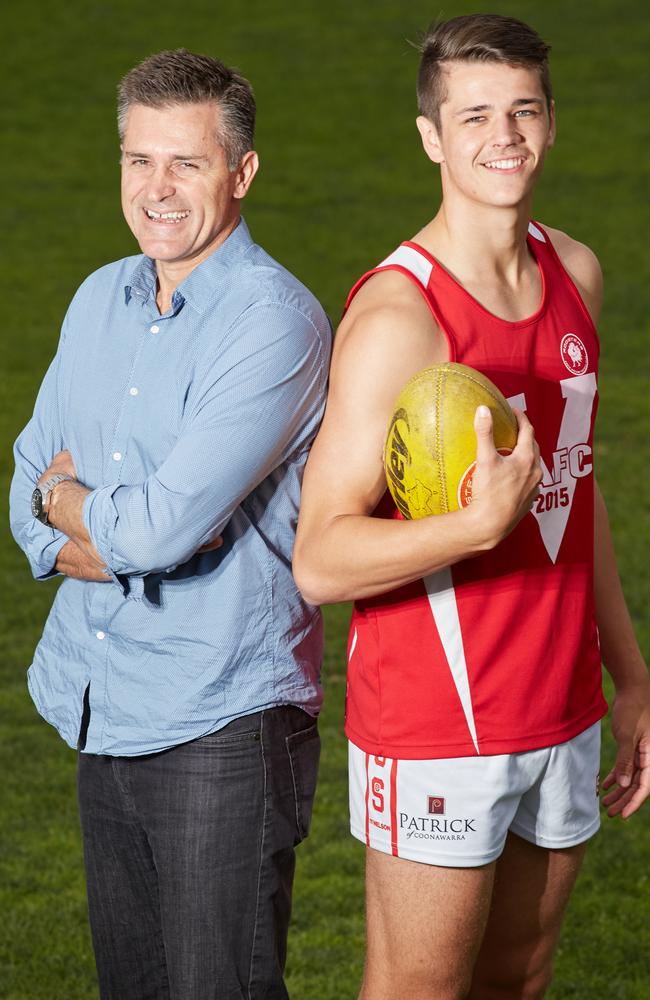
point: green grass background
(342, 181)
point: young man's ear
(430, 139)
(552, 130)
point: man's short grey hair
(177, 76)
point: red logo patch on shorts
(436, 805)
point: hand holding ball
(430, 452)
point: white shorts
(457, 812)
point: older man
(160, 475)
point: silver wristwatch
(41, 493)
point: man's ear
(430, 139)
(245, 173)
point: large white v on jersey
(571, 460)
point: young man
(167, 448)
(474, 692)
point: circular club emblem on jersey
(574, 354)
(467, 481)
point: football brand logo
(466, 484)
(399, 459)
(574, 354)
(436, 805)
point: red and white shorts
(457, 812)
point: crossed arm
(254, 405)
(79, 558)
(74, 562)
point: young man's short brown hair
(177, 76)
(476, 38)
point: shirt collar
(142, 281)
(200, 285)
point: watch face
(37, 503)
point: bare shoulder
(583, 266)
(387, 335)
(389, 319)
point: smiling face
(495, 130)
(179, 198)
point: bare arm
(73, 561)
(629, 779)
(341, 551)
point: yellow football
(430, 451)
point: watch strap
(41, 493)
(49, 484)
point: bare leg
(425, 926)
(532, 886)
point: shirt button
(133, 391)
(117, 456)
(155, 328)
(100, 635)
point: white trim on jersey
(442, 600)
(353, 645)
(537, 233)
(412, 260)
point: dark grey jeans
(190, 858)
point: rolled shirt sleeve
(255, 404)
(34, 449)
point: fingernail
(483, 411)
(624, 780)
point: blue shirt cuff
(100, 517)
(44, 563)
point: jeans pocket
(303, 749)
(240, 732)
(224, 739)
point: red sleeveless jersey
(496, 654)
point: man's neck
(171, 273)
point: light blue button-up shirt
(184, 426)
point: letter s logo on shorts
(378, 794)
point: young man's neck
(476, 241)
